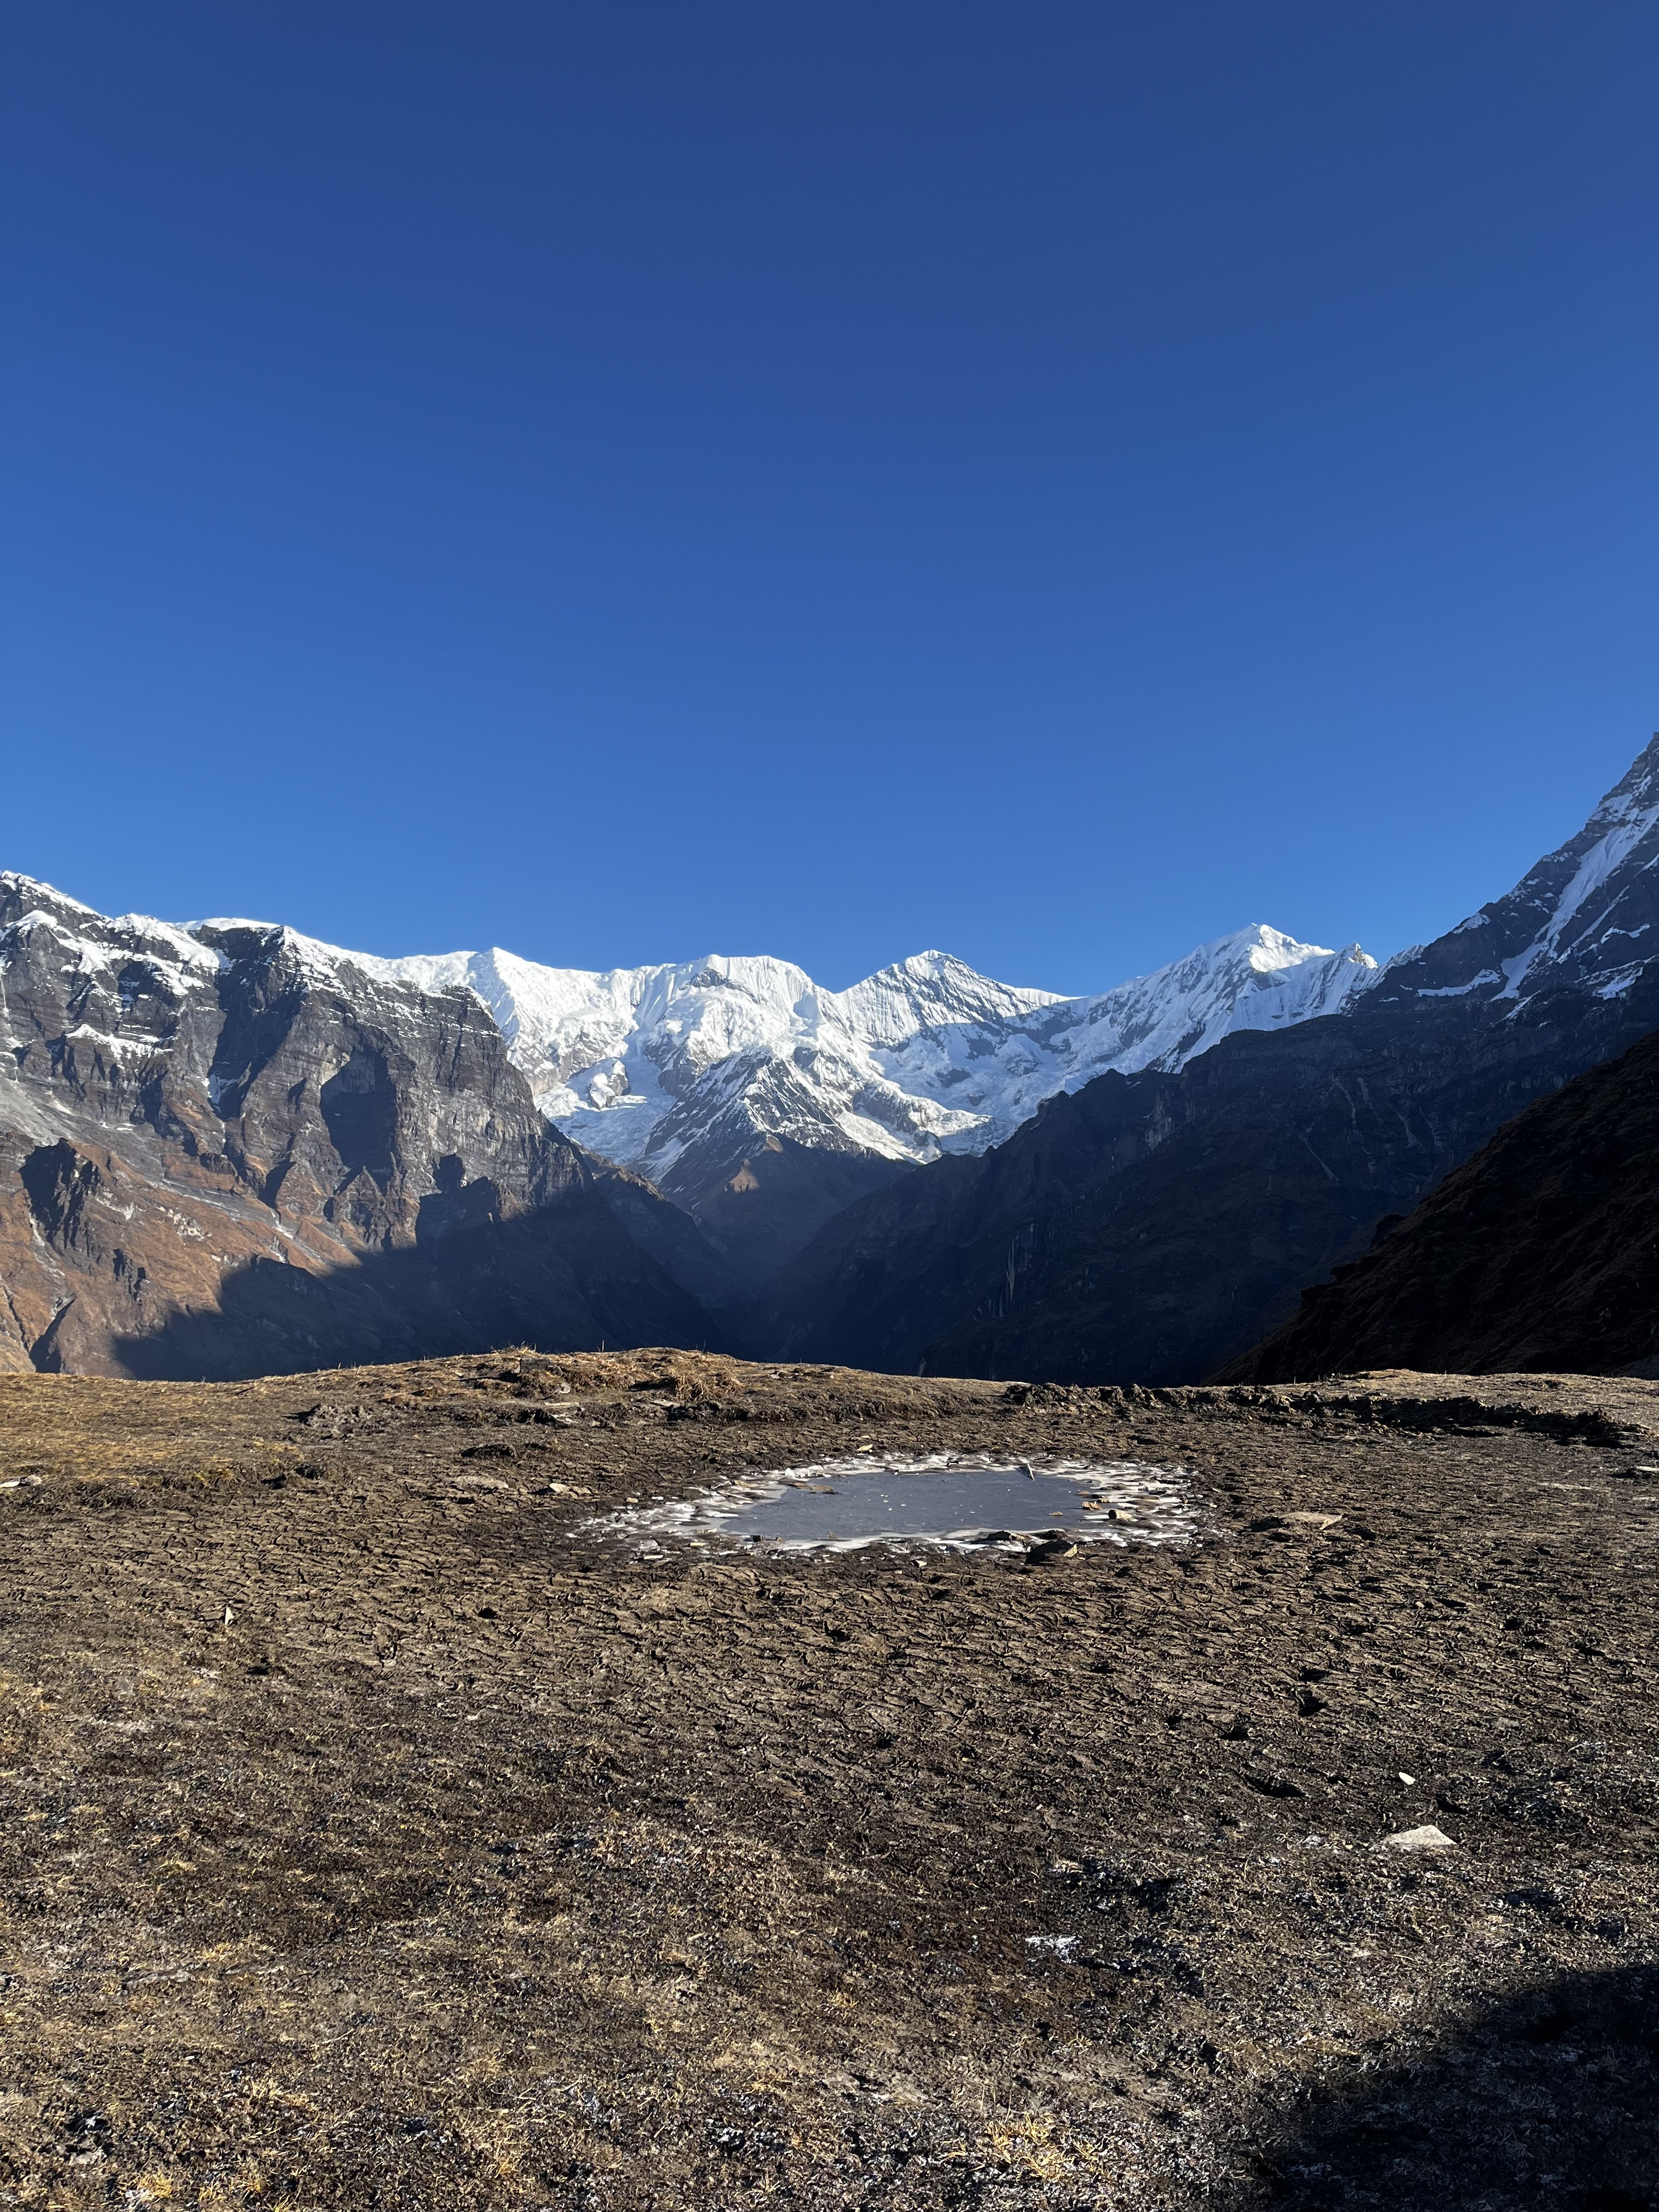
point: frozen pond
(959, 1501)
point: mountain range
(764, 1104)
(224, 1153)
(227, 1148)
(1152, 1226)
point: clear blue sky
(1055, 481)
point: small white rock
(1429, 1839)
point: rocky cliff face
(227, 1151)
(1542, 1253)
(1154, 1225)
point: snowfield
(925, 1057)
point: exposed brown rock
(225, 1152)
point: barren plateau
(373, 1835)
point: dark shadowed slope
(767, 1198)
(1540, 1253)
(564, 1278)
(1143, 1229)
(1152, 1226)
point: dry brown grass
(469, 1864)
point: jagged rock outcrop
(228, 1150)
(1540, 1254)
(1152, 1226)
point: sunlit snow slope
(763, 1104)
(643, 1065)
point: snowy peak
(1257, 978)
(676, 1070)
(26, 905)
(1585, 918)
(918, 994)
(680, 1070)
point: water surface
(958, 1500)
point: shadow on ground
(1550, 2100)
(564, 1277)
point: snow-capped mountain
(1585, 919)
(1152, 1227)
(760, 1102)
(764, 1104)
(643, 1065)
(228, 1146)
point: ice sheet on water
(956, 1501)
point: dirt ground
(370, 1839)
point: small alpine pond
(956, 1501)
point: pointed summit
(1585, 918)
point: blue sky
(1053, 483)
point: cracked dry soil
(371, 1840)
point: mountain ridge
(762, 1103)
(274, 1113)
(1538, 1253)
(1150, 1227)
(567, 1023)
(222, 1152)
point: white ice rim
(1142, 1503)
